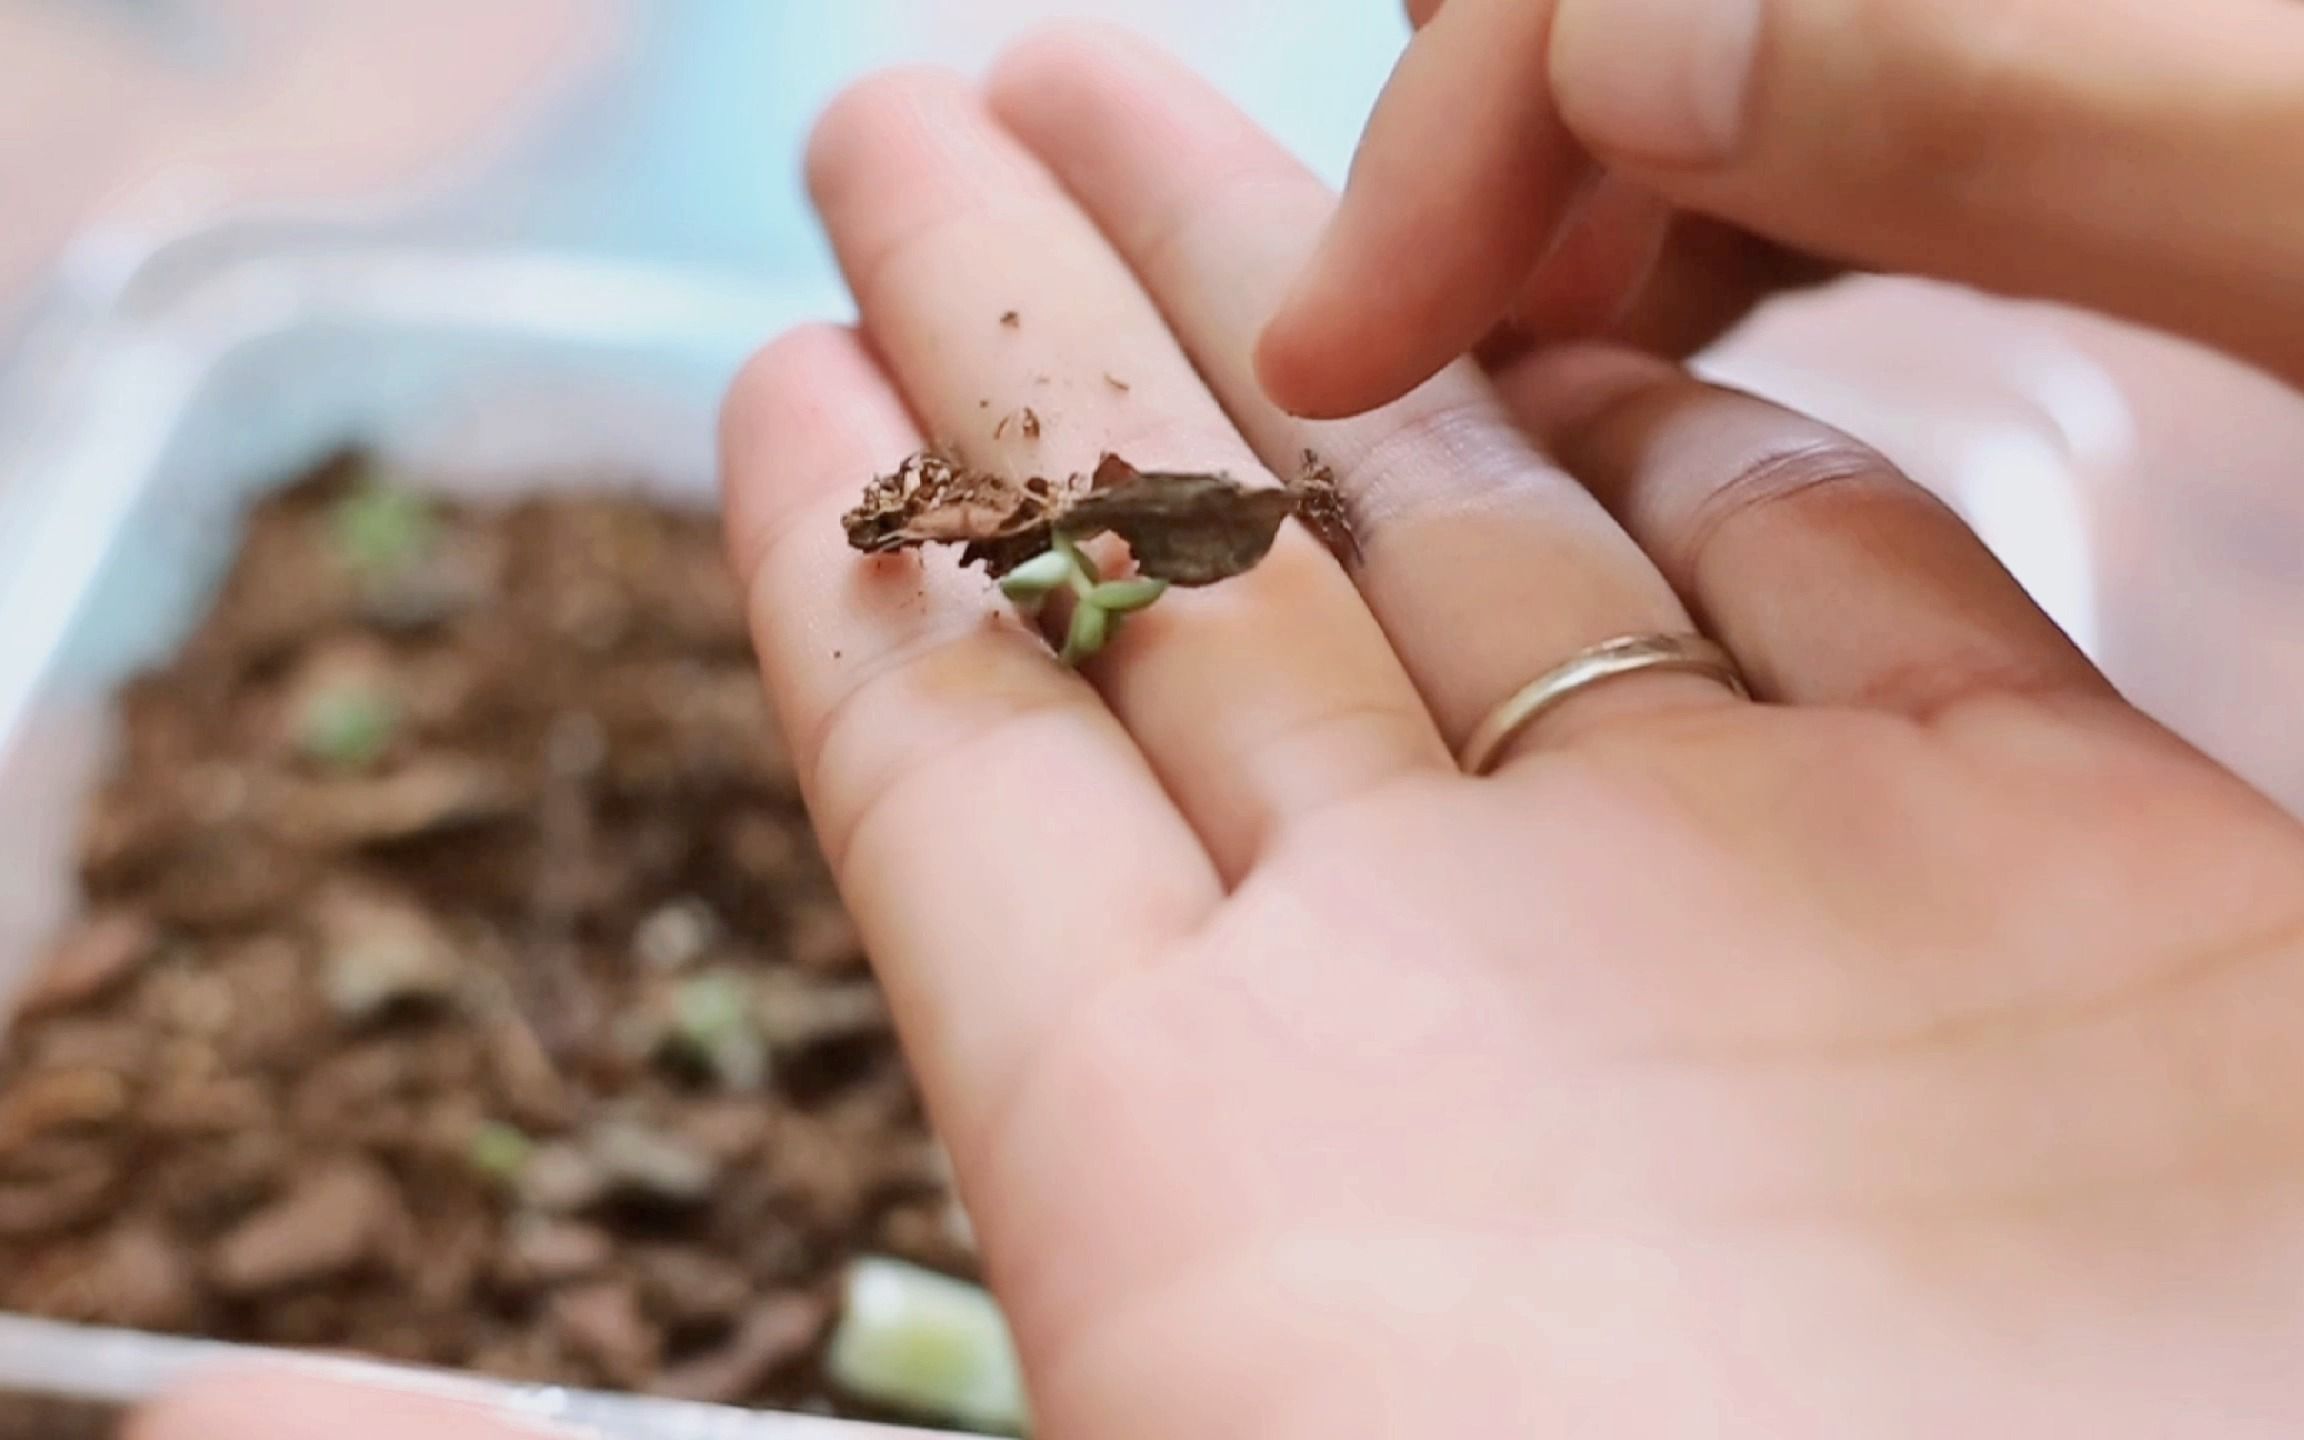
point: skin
(1647, 170)
(1910, 1053)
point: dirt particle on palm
(1324, 510)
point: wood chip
(99, 953)
(335, 1219)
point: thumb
(2132, 156)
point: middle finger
(1019, 336)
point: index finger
(1458, 190)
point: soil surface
(459, 981)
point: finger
(1459, 187)
(1608, 248)
(1831, 577)
(2131, 156)
(1003, 845)
(285, 1405)
(1270, 695)
(1707, 277)
(1486, 565)
(1630, 266)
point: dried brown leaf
(930, 500)
(1186, 527)
(1183, 527)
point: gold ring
(1625, 655)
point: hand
(1908, 1053)
(1911, 1054)
(1649, 170)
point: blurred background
(2145, 490)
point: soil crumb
(1324, 510)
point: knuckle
(1438, 453)
(1813, 482)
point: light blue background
(688, 149)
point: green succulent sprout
(1099, 605)
(713, 1020)
(348, 726)
(381, 529)
(711, 1007)
(500, 1151)
(928, 1345)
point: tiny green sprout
(500, 1151)
(1125, 597)
(381, 529)
(711, 1007)
(1099, 604)
(927, 1345)
(1031, 583)
(712, 1020)
(1091, 627)
(348, 726)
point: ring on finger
(1608, 660)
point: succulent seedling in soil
(380, 529)
(1187, 528)
(927, 1345)
(713, 1023)
(348, 725)
(500, 1152)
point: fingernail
(1663, 81)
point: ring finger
(1486, 565)
(1019, 336)
(1837, 580)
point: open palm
(1911, 1051)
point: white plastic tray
(155, 394)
